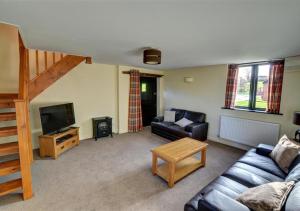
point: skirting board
(229, 143)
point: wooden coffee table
(179, 159)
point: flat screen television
(57, 118)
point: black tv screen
(57, 117)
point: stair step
(8, 131)
(7, 103)
(9, 167)
(9, 148)
(8, 116)
(8, 95)
(10, 186)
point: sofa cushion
(294, 174)
(225, 185)
(169, 116)
(218, 201)
(262, 162)
(178, 131)
(162, 125)
(170, 127)
(284, 153)
(270, 196)
(250, 176)
(183, 122)
(196, 117)
(179, 113)
(264, 149)
(295, 162)
(293, 201)
(294, 170)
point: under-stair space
(37, 71)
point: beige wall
(207, 92)
(9, 58)
(93, 90)
(123, 94)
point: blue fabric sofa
(253, 169)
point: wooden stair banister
(52, 74)
(24, 87)
(23, 70)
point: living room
(201, 101)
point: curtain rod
(260, 62)
(146, 74)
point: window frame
(253, 87)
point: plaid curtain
(135, 122)
(231, 86)
(275, 87)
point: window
(144, 87)
(252, 87)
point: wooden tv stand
(54, 145)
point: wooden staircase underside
(56, 71)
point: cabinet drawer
(66, 145)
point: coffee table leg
(154, 163)
(171, 166)
(203, 156)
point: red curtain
(135, 122)
(231, 86)
(275, 87)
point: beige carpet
(115, 174)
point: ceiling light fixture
(152, 56)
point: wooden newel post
(24, 148)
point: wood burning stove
(102, 127)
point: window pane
(262, 87)
(144, 87)
(243, 87)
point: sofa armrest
(215, 200)
(198, 130)
(158, 119)
(264, 149)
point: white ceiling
(189, 33)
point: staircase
(21, 146)
(37, 71)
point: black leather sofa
(253, 169)
(197, 130)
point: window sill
(253, 111)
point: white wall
(207, 93)
(93, 90)
(123, 94)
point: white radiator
(248, 132)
